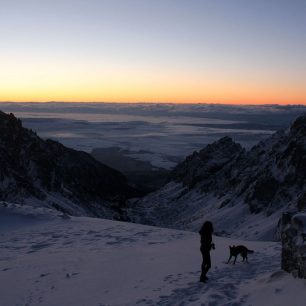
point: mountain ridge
(233, 187)
(45, 172)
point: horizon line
(163, 102)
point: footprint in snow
(39, 246)
(5, 269)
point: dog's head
(232, 248)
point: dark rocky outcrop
(206, 164)
(293, 227)
(267, 176)
(226, 183)
(45, 170)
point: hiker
(206, 245)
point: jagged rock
(46, 172)
(294, 243)
(301, 202)
(265, 180)
(204, 164)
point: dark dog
(239, 249)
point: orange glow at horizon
(101, 81)
(155, 93)
(138, 98)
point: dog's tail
(250, 251)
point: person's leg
(203, 266)
(202, 277)
(206, 264)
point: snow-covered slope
(242, 192)
(56, 260)
(173, 207)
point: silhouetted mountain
(235, 188)
(46, 173)
(205, 164)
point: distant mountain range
(46, 173)
(242, 192)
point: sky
(184, 51)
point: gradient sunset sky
(218, 51)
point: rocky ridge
(235, 188)
(46, 173)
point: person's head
(207, 227)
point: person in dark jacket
(206, 245)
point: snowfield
(51, 259)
